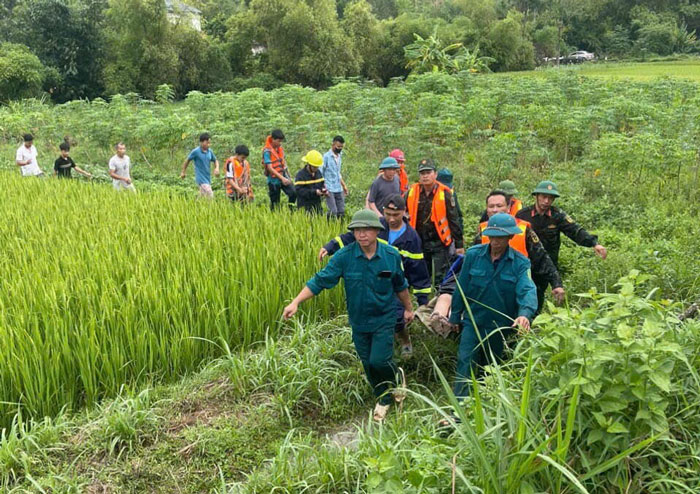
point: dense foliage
(103, 47)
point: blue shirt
(394, 235)
(202, 166)
(370, 285)
(493, 289)
(331, 171)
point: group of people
(413, 239)
(408, 236)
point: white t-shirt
(120, 166)
(24, 154)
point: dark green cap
(426, 164)
(546, 187)
(365, 218)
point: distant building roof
(176, 6)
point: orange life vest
(518, 242)
(403, 179)
(438, 213)
(277, 160)
(515, 206)
(240, 172)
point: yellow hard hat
(313, 158)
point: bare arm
(184, 168)
(83, 172)
(216, 168)
(114, 175)
(304, 294)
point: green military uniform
(370, 288)
(497, 292)
(549, 227)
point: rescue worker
(276, 171)
(399, 234)
(496, 286)
(309, 183)
(514, 204)
(373, 277)
(445, 177)
(398, 155)
(549, 223)
(527, 243)
(433, 213)
(435, 315)
(237, 176)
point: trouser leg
(438, 261)
(291, 193)
(331, 205)
(274, 192)
(468, 355)
(339, 204)
(541, 285)
(376, 351)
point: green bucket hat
(389, 163)
(365, 218)
(546, 187)
(445, 177)
(501, 225)
(508, 187)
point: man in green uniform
(549, 223)
(495, 284)
(373, 277)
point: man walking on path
(25, 158)
(494, 291)
(202, 157)
(433, 213)
(386, 185)
(549, 223)
(309, 183)
(331, 171)
(275, 164)
(399, 234)
(373, 277)
(120, 169)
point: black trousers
(275, 190)
(541, 284)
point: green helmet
(501, 225)
(508, 187)
(365, 218)
(445, 177)
(546, 187)
(389, 163)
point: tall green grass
(102, 290)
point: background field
(688, 69)
(102, 289)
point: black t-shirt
(63, 166)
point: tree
(21, 72)
(430, 55)
(508, 44)
(362, 27)
(303, 40)
(66, 37)
(143, 55)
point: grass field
(101, 290)
(639, 71)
